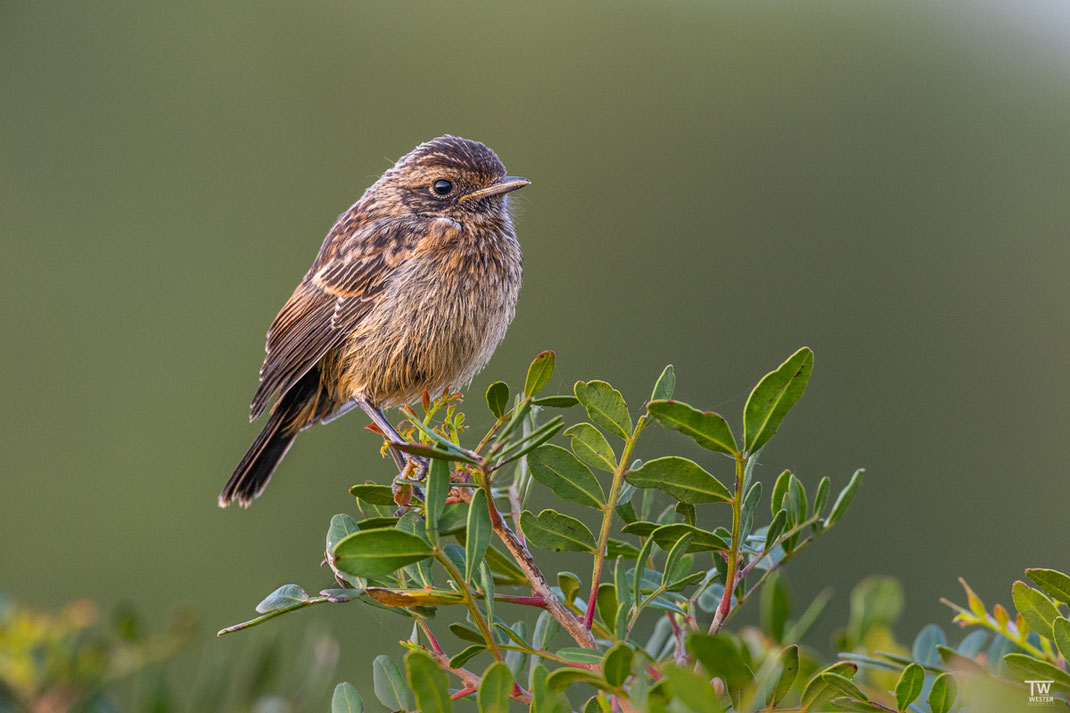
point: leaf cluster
(676, 547)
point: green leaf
(780, 489)
(924, 648)
(822, 497)
(1037, 610)
(1054, 583)
(564, 677)
(414, 597)
(556, 401)
(681, 478)
(487, 581)
(774, 395)
(566, 476)
(1061, 631)
(539, 373)
(469, 652)
(775, 607)
(618, 663)
(576, 654)
(495, 689)
(341, 525)
(389, 684)
(776, 527)
(665, 385)
(443, 450)
(346, 700)
(845, 498)
(605, 406)
(797, 497)
(875, 601)
(544, 699)
(374, 494)
(606, 603)
(373, 553)
(789, 670)
(750, 507)
(546, 628)
(683, 583)
(285, 596)
(498, 398)
(550, 530)
(818, 689)
(676, 554)
(909, 686)
(706, 428)
(377, 523)
(619, 548)
(438, 489)
(592, 705)
(640, 565)
(1025, 667)
(466, 633)
(569, 584)
(428, 681)
(667, 535)
(692, 690)
(477, 535)
(720, 657)
(531, 441)
(942, 694)
(640, 528)
(506, 570)
(591, 447)
(454, 519)
(844, 686)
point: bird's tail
(255, 470)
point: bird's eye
(442, 187)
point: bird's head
(447, 177)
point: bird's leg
(400, 459)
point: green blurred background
(714, 185)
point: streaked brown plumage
(413, 289)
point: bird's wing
(344, 283)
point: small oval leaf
(605, 406)
(550, 530)
(346, 700)
(681, 478)
(773, 397)
(373, 553)
(566, 476)
(539, 373)
(707, 429)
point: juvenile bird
(412, 289)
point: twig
(535, 577)
(472, 680)
(607, 519)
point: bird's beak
(503, 185)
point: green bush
(458, 547)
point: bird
(412, 290)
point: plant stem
(430, 637)
(472, 680)
(539, 585)
(607, 518)
(765, 575)
(733, 553)
(470, 602)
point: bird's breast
(440, 319)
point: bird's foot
(415, 467)
(404, 486)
